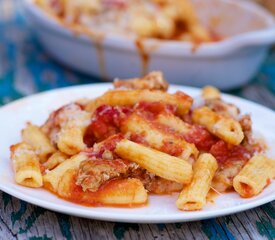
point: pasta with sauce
(161, 19)
(138, 139)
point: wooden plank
(20, 220)
(5, 231)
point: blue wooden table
(26, 69)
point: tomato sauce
(139, 138)
(42, 168)
(94, 199)
(115, 4)
(171, 148)
(105, 123)
(225, 153)
(200, 137)
(151, 109)
(247, 190)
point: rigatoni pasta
(130, 97)
(33, 136)
(51, 179)
(158, 139)
(119, 192)
(193, 196)
(70, 138)
(255, 175)
(161, 164)
(227, 129)
(26, 165)
(55, 159)
(137, 140)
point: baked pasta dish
(138, 139)
(161, 19)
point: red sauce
(198, 134)
(200, 137)
(94, 199)
(105, 123)
(115, 4)
(187, 117)
(184, 97)
(89, 137)
(102, 129)
(151, 109)
(42, 169)
(139, 138)
(247, 191)
(171, 148)
(224, 152)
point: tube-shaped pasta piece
(121, 192)
(158, 139)
(223, 179)
(67, 180)
(174, 122)
(130, 97)
(159, 163)
(70, 138)
(26, 165)
(52, 178)
(254, 176)
(227, 129)
(193, 197)
(118, 192)
(54, 160)
(210, 92)
(33, 136)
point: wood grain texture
(20, 220)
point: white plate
(160, 208)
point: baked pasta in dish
(138, 139)
(161, 19)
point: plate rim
(129, 217)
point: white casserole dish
(249, 32)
